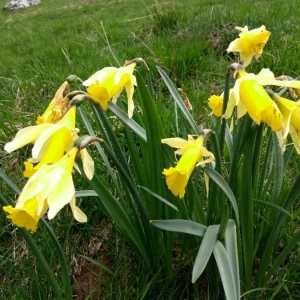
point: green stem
(246, 208)
(256, 159)
(213, 187)
(225, 102)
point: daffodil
(291, 121)
(216, 104)
(192, 152)
(249, 96)
(55, 110)
(50, 140)
(250, 43)
(108, 83)
(252, 98)
(50, 188)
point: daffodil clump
(50, 186)
(249, 94)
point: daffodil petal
(176, 142)
(78, 214)
(25, 136)
(88, 164)
(61, 195)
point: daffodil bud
(85, 140)
(71, 78)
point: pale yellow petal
(78, 214)
(266, 77)
(61, 195)
(129, 90)
(88, 164)
(175, 142)
(25, 136)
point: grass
(42, 45)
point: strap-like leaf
(225, 271)
(219, 180)
(86, 193)
(160, 198)
(178, 100)
(127, 121)
(232, 254)
(205, 251)
(184, 226)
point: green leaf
(9, 182)
(278, 167)
(205, 251)
(160, 198)
(179, 100)
(227, 278)
(230, 240)
(228, 140)
(118, 214)
(127, 121)
(262, 276)
(86, 193)
(284, 253)
(35, 250)
(100, 150)
(184, 226)
(219, 180)
(275, 206)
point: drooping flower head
(108, 83)
(192, 152)
(50, 188)
(250, 43)
(249, 96)
(51, 141)
(55, 110)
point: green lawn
(42, 45)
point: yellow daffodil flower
(50, 140)
(256, 101)
(51, 187)
(54, 112)
(108, 84)
(250, 43)
(192, 151)
(249, 96)
(216, 104)
(291, 122)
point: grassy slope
(44, 44)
